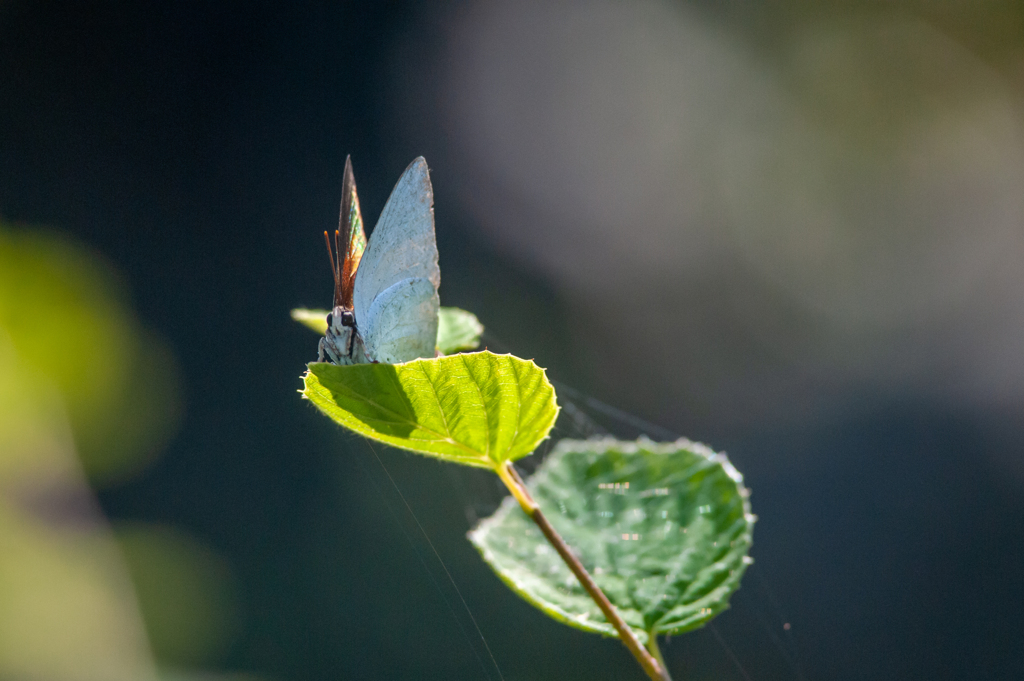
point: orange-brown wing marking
(350, 231)
(335, 270)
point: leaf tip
(315, 320)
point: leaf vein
(400, 418)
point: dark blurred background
(792, 232)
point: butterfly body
(385, 291)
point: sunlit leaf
(477, 409)
(314, 319)
(664, 529)
(457, 330)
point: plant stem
(652, 646)
(654, 668)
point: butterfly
(385, 290)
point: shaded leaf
(457, 330)
(477, 409)
(663, 528)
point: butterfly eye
(347, 318)
(330, 320)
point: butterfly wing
(403, 245)
(402, 322)
(350, 231)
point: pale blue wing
(402, 322)
(402, 245)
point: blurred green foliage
(71, 412)
(66, 315)
(185, 591)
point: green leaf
(457, 330)
(314, 319)
(663, 528)
(477, 409)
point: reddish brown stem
(655, 670)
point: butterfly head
(344, 317)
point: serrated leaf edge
(474, 459)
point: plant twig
(654, 668)
(652, 646)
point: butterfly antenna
(334, 267)
(340, 262)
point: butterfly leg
(334, 347)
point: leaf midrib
(401, 419)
